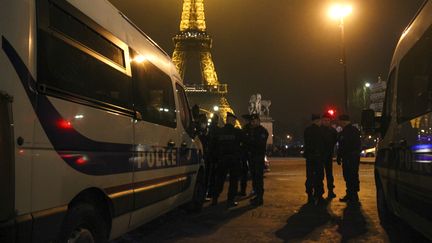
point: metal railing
(202, 88)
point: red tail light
(65, 124)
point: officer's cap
(344, 117)
(315, 117)
(254, 117)
(229, 114)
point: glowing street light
(215, 108)
(367, 85)
(339, 12)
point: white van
(96, 135)
(403, 170)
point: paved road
(283, 218)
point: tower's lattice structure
(193, 59)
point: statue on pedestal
(259, 106)
(262, 107)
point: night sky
(287, 50)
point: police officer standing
(314, 147)
(203, 134)
(212, 155)
(257, 142)
(245, 156)
(330, 138)
(228, 143)
(349, 154)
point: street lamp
(339, 12)
(365, 89)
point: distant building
(377, 96)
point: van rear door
(7, 165)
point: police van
(96, 135)
(403, 170)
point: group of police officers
(320, 139)
(237, 152)
(240, 152)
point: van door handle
(171, 144)
(138, 115)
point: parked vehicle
(96, 136)
(403, 168)
(368, 152)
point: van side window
(185, 114)
(153, 94)
(69, 71)
(388, 103)
(73, 28)
(414, 80)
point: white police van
(403, 170)
(96, 135)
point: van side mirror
(368, 121)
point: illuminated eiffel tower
(193, 60)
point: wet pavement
(284, 217)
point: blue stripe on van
(81, 153)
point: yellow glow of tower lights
(340, 11)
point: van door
(189, 151)
(156, 173)
(385, 165)
(186, 123)
(414, 134)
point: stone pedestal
(267, 123)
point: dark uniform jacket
(330, 138)
(314, 141)
(349, 141)
(245, 134)
(257, 140)
(211, 142)
(228, 141)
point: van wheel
(385, 215)
(83, 224)
(196, 204)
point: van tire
(83, 223)
(196, 204)
(385, 215)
